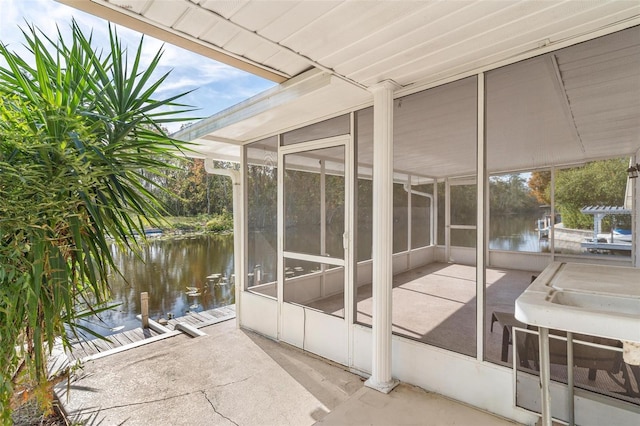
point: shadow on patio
(236, 377)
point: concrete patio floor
(236, 377)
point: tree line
(188, 190)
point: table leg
(545, 374)
(505, 343)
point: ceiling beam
(564, 100)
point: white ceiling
(369, 41)
(572, 105)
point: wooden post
(144, 306)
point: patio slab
(407, 405)
(235, 377)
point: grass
(221, 223)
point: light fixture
(633, 171)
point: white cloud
(218, 85)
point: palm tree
(77, 129)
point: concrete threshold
(236, 377)
(406, 405)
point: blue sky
(218, 86)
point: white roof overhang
(302, 99)
(363, 42)
(327, 53)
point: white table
(589, 299)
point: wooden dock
(89, 349)
(204, 318)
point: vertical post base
(144, 307)
(381, 387)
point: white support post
(447, 220)
(323, 224)
(434, 215)
(552, 227)
(351, 188)
(481, 231)
(280, 237)
(239, 232)
(381, 379)
(635, 222)
(238, 226)
(409, 225)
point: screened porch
(548, 121)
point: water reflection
(165, 270)
(169, 267)
(516, 233)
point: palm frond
(77, 128)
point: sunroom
(309, 219)
(407, 181)
(310, 228)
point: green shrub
(220, 223)
(76, 129)
(186, 227)
(572, 218)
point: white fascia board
(289, 91)
(337, 98)
(278, 110)
(220, 151)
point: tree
(193, 191)
(540, 183)
(596, 183)
(262, 188)
(509, 194)
(190, 186)
(77, 129)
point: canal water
(165, 270)
(516, 233)
(174, 272)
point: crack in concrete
(214, 408)
(140, 403)
(232, 383)
(152, 401)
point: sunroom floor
(436, 304)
